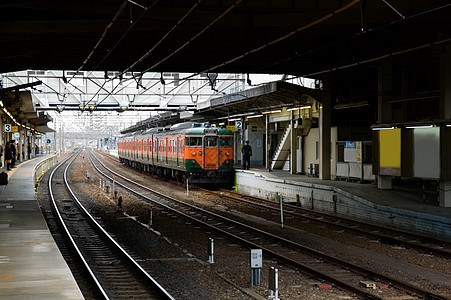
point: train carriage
(193, 151)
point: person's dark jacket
(247, 151)
(8, 152)
(13, 149)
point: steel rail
(400, 284)
(293, 210)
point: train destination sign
(211, 132)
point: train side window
(193, 141)
(226, 141)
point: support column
(445, 114)
(384, 110)
(384, 182)
(293, 145)
(268, 141)
(324, 138)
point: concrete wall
(321, 197)
(310, 149)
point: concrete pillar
(268, 142)
(445, 114)
(445, 193)
(293, 152)
(384, 110)
(384, 182)
(324, 138)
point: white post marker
(150, 219)
(211, 250)
(187, 190)
(281, 211)
(274, 283)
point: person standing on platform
(13, 152)
(247, 153)
(8, 156)
(29, 150)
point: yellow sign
(390, 152)
(14, 128)
(231, 127)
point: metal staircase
(281, 155)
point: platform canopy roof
(306, 37)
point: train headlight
(227, 153)
(193, 153)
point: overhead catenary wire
(284, 37)
(331, 14)
(232, 6)
(142, 58)
(358, 35)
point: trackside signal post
(256, 266)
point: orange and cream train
(193, 151)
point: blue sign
(350, 145)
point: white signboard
(7, 127)
(256, 258)
(353, 151)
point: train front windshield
(211, 141)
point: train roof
(193, 128)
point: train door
(157, 149)
(211, 152)
(178, 149)
(166, 149)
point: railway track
(385, 235)
(340, 273)
(113, 273)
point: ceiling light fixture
(254, 116)
(419, 126)
(272, 111)
(59, 108)
(382, 128)
(296, 108)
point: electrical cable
(191, 39)
(356, 36)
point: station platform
(31, 265)
(403, 207)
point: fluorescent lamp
(448, 125)
(254, 116)
(382, 128)
(419, 126)
(272, 111)
(236, 119)
(296, 108)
